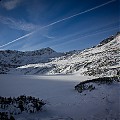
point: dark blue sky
(49, 22)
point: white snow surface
(62, 101)
(98, 61)
(101, 60)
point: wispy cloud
(80, 13)
(11, 4)
(49, 37)
(84, 36)
(53, 23)
(18, 24)
(79, 34)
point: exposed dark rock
(88, 84)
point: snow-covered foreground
(63, 102)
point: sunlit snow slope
(101, 60)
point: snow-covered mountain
(101, 60)
(12, 59)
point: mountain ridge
(100, 60)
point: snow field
(63, 102)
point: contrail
(58, 22)
(66, 42)
(16, 39)
(79, 13)
(100, 28)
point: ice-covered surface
(63, 102)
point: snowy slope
(62, 101)
(11, 59)
(102, 60)
(55, 77)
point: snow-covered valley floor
(62, 101)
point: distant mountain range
(100, 60)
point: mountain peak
(107, 40)
(42, 51)
(97, 61)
